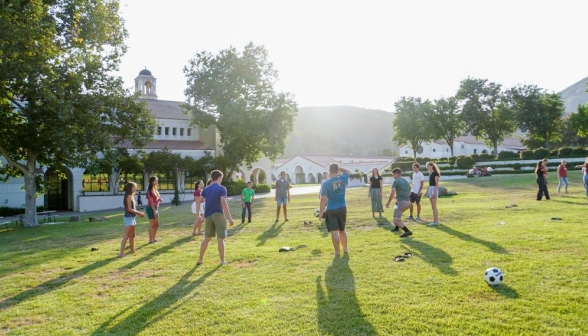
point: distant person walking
(216, 214)
(199, 216)
(153, 201)
(400, 189)
(584, 175)
(282, 196)
(129, 218)
(562, 174)
(418, 180)
(333, 207)
(375, 192)
(247, 196)
(433, 190)
(541, 172)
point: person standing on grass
(325, 177)
(400, 189)
(418, 180)
(197, 230)
(129, 218)
(214, 215)
(433, 190)
(562, 174)
(375, 192)
(333, 207)
(282, 195)
(153, 201)
(541, 172)
(584, 175)
(247, 196)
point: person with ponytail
(129, 218)
(541, 172)
(433, 190)
(197, 230)
(153, 200)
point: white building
(462, 146)
(67, 187)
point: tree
(538, 113)
(579, 121)
(234, 91)
(486, 111)
(569, 134)
(59, 102)
(410, 125)
(445, 121)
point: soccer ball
(494, 276)
(316, 212)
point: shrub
(404, 166)
(516, 166)
(553, 153)
(475, 157)
(452, 160)
(564, 152)
(235, 187)
(578, 151)
(540, 153)
(465, 162)
(261, 188)
(8, 211)
(507, 155)
(485, 157)
(527, 154)
(404, 159)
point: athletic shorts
(414, 198)
(283, 201)
(150, 213)
(431, 191)
(335, 219)
(400, 207)
(215, 225)
(129, 221)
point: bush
(235, 187)
(578, 151)
(404, 159)
(507, 155)
(553, 153)
(485, 157)
(261, 188)
(540, 153)
(564, 152)
(404, 166)
(452, 160)
(8, 211)
(527, 154)
(465, 162)
(516, 166)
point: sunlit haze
(365, 53)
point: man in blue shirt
(333, 199)
(214, 214)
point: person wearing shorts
(282, 196)
(333, 207)
(214, 215)
(418, 180)
(400, 189)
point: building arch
(58, 188)
(310, 178)
(299, 176)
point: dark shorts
(150, 213)
(335, 219)
(414, 198)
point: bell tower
(146, 84)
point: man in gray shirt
(282, 195)
(400, 189)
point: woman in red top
(197, 230)
(153, 200)
(562, 174)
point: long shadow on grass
(506, 291)
(157, 252)
(432, 255)
(156, 309)
(384, 223)
(272, 232)
(464, 236)
(52, 284)
(338, 309)
(235, 229)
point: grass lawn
(52, 284)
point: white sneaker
(433, 224)
(418, 218)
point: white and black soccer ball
(317, 212)
(494, 276)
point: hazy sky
(365, 53)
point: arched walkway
(299, 175)
(58, 188)
(310, 178)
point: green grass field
(52, 284)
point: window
(158, 130)
(181, 131)
(462, 146)
(174, 131)
(434, 150)
(405, 152)
(189, 132)
(97, 182)
(167, 131)
(475, 151)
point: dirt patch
(245, 263)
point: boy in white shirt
(415, 194)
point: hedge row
(235, 188)
(7, 211)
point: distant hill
(338, 130)
(574, 96)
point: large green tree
(486, 111)
(538, 113)
(445, 121)
(579, 120)
(59, 100)
(410, 122)
(235, 92)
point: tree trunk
(547, 142)
(30, 218)
(495, 145)
(450, 143)
(114, 181)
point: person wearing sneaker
(375, 192)
(333, 207)
(433, 191)
(400, 189)
(418, 180)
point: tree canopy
(410, 122)
(445, 121)
(59, 100)
(234, 91)
(579, 120)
